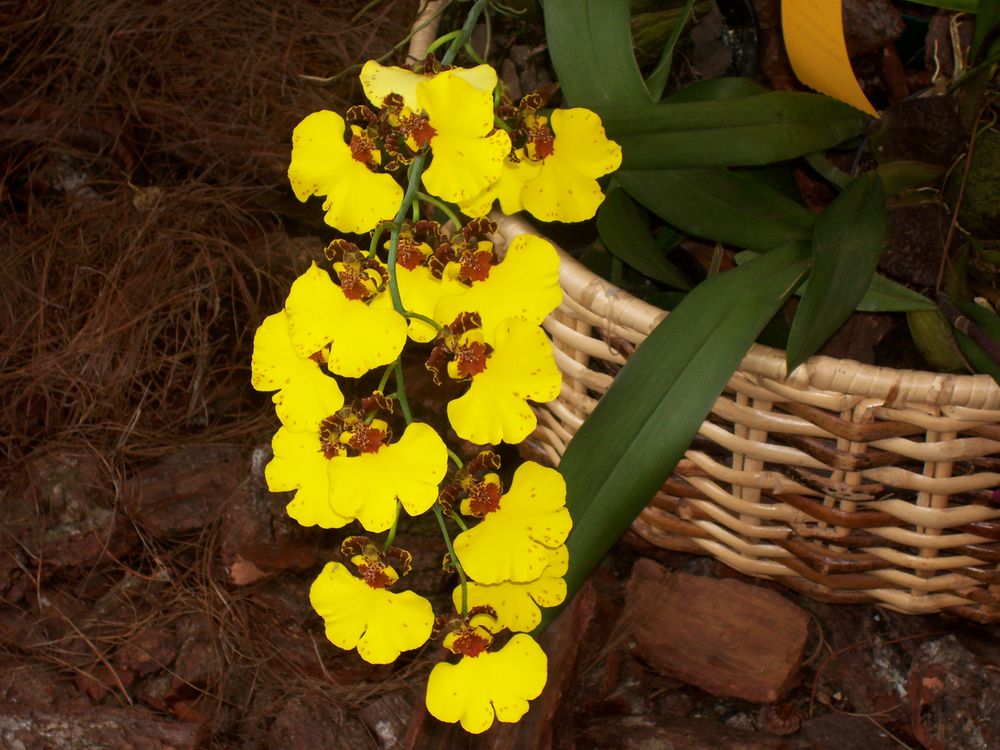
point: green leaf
(976, 356)
(883, 295)
(900, 176)
(847, 244)
(982, 317)
(716, 89)
(657, 80)
(623, 230)
(934, 339)
(987, 19)
(623, 452)
(590, 45)
(719, 205)
(963, 6)
(748, 131)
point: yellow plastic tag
(814, 38)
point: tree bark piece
(723, 636)
(92, 729)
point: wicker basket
(847, 482)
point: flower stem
(423, 319)
(376, 236)
(466, 32)
(416, 168)
(454, 558)
(445, 209)
(473, 54)
(409, 199)
(391, 537)
(385, 377)
(441, 40)
(404, 403)
(454, 457)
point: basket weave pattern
(847, 482)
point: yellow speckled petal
(512, 602)
(306, 394)
(362, 200)
(397, 622)
(455, 106)
(496, 684)
(525, 285)
(517, 604)
(332, 588)
(379, 623)
(308, 400)
(465, 159)
(313, 309)
(455, 693)
(319, 154)
(580, 139)
(368, 485)
(321, 164)
(365, 336)
(378, 81)
(274, 363)
(566, 189)
(464, 166)
(521, 367)
(514, 542)
(298, 465)
(507, 189)
(561, 193)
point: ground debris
(186, 491)
(711, 633)
(28, 728)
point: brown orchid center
(364, 148)
(469, 360)
(484, 496)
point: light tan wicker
(847, 482)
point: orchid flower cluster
(445, 288)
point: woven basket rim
(844, 376)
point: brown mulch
(152, 591)
(148, 228)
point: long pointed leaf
(590, 44)
(657, 80)
(774, 108)
(716, 89)
(847, 243)
(882, 295)
(718, 205)
(623, 229)
(746, 131)
(988, 16)
(623, 452)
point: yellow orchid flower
(518, 366)
(467, 153)
(514, 543)
(381, 624)
(491, 686)
(361, 335)
(322, 163)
